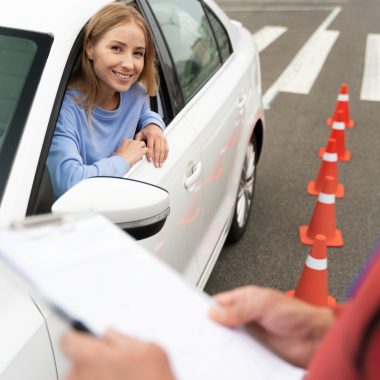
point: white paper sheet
(100, 276)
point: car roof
(53, 16)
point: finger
(150, 145)
(113, 336)
(166, 149)
(139, 136)
(163, 151)
(238, 307)
(157, 153)
(125, 144)
(79, 346)
(116, 339)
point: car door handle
(241, 101)
(192, 178)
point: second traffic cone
(342, 103)
(338, 131)
(312, 286)
(329, 167)
(323, 218)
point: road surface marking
(371, 77)
(300, 75)
(320, 38)
(265, 36)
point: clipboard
(96, 276)
(20, 279)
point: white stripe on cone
(343, 98)
(317, 264)
(330, 157)
(327, 199)
(339, 125)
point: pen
(74, 323)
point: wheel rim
(246, 186)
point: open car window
(191, 42)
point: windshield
(22, 58)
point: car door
(182, 173)
(25, 347)
(214, 87)
(217, 112)
(181, 176)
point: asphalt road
(270, 253)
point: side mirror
(137, 207)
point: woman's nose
(127, 61)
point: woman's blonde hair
(83, 76)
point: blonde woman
(105, 123)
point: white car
(210, 99)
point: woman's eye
(139, 54)
(116, 48)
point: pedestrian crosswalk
(299, 76)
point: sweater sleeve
(65, 162)
(149, 117)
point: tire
(245, 194)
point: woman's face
(118, 57)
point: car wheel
(245, 194)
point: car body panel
(183, 221)
(24, 336)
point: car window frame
(164, 46)
(41, 167)
(209, 11)
(170, 89)
(16, 128)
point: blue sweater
(80, 151)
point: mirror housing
(139, 208)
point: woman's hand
(155, 139)
(292, 328)
(132, 151)
(114, 357)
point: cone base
(336, 241)
(339, 193)
(350, 124)
(331, 301)
(343, 157)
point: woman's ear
(90, 51)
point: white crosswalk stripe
(265, 36)
(302, 72)
(371, 79)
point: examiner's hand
(155, 139)
(114, 357)
(292, 328)
(132, 151)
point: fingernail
(217, 311)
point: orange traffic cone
(329, 167)
(342, 103)
(338, 133)
(312, 286)
(323, 218)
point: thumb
(139, 136)
(237, 307)
(75, 345)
